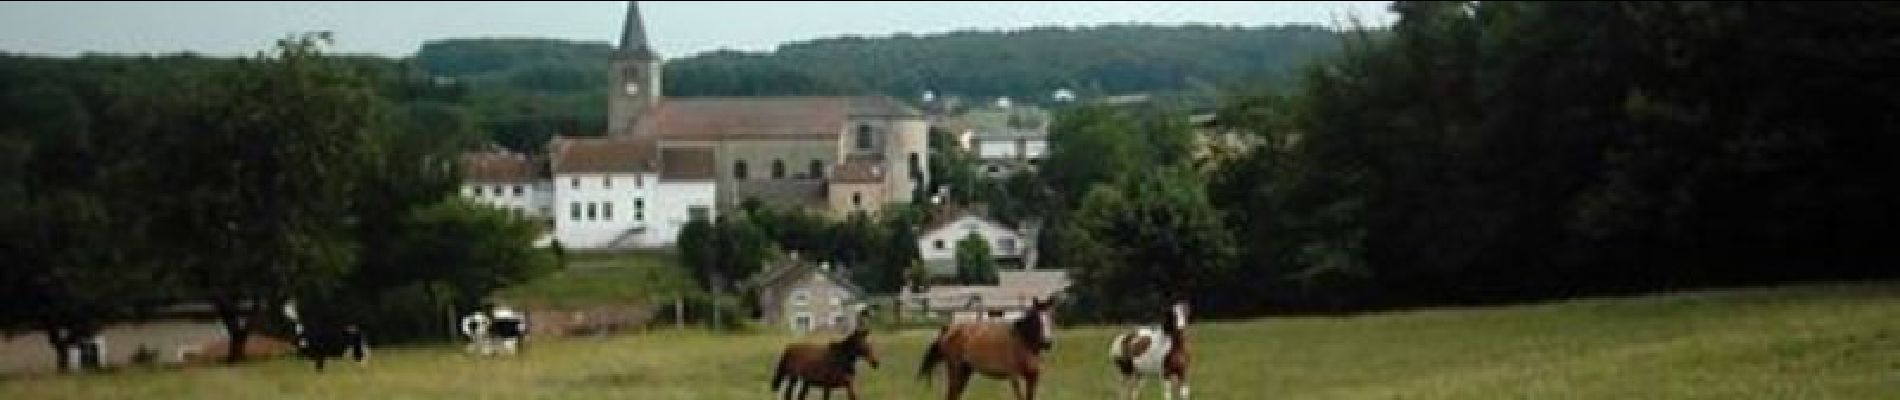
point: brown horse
(827, 366)
(1155, 351)
(1011, 351)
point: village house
(937, 244)
(803, 297)
(664, 161)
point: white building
(937, 246)
(1006, 140)
(509, 181)
(616, 193)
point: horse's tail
(932, 355)
(781, 373)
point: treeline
(1504, 151)
(134, 184)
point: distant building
(1007, 299)
(803, 297)
(664, 161)
(1006, 140)
(937, 244)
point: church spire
(633, 36)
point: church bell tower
(635, 70)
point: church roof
(603, 154)
(686, 163)
(764, 118)
(633, 35)
(498, 166)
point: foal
(827, 366)
(1010, 351)
(1149, 351)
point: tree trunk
(60, 339)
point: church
(665, 161)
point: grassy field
(604, 278)
(1801, 342)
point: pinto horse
(1011, 350)
(827, 366)
(1155, 351)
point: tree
(974, 264)
(262, 205)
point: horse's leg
(1180, 389)
(1015, 388)
(1029, 383)
(804, 389)
(959, 376)
(850, 391)
(1131, 385)
(827, 393)
(1168, 384)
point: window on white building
(574, 211)
(864, 137)
(639, 209)
(1008, 246)
(607, 211)
(778, 169)
(575, 183)
(916, 170)
(518, 190)
(478, 191)
(607, 182)
(938, 244)
(837, 319)
(738, 170)
(698, 213)
(593, 211)
(857, 200)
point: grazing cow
(827, 366)
(1005, 350)
(1155, 351)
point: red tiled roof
(763, 118)
(605, 154)
(498, 167)
(686, 163)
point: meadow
(1820, 341)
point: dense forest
(1507, 151)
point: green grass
(602, 279)
(1805, 342)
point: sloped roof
(763, 118)
(686, 163)
(602, 154)
(498, 166)
(789, 270)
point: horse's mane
(1028, 328)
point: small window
(574, 211)
(738, 169)
(574, 182)
(593, 211)
(938, 244)
(639, 209)
(857, 200)
(864, 137)
(837, 301)
(778, 169)
(993, 169)
(837, 320)
(518, 190)
(478, 191)
(607, 182)
(801, 297)
(698, 213)
(1008, 246)
(607, 211)
(817, 169)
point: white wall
(636, 201)
(533, 197)
(962, 227)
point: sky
(675, 29)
